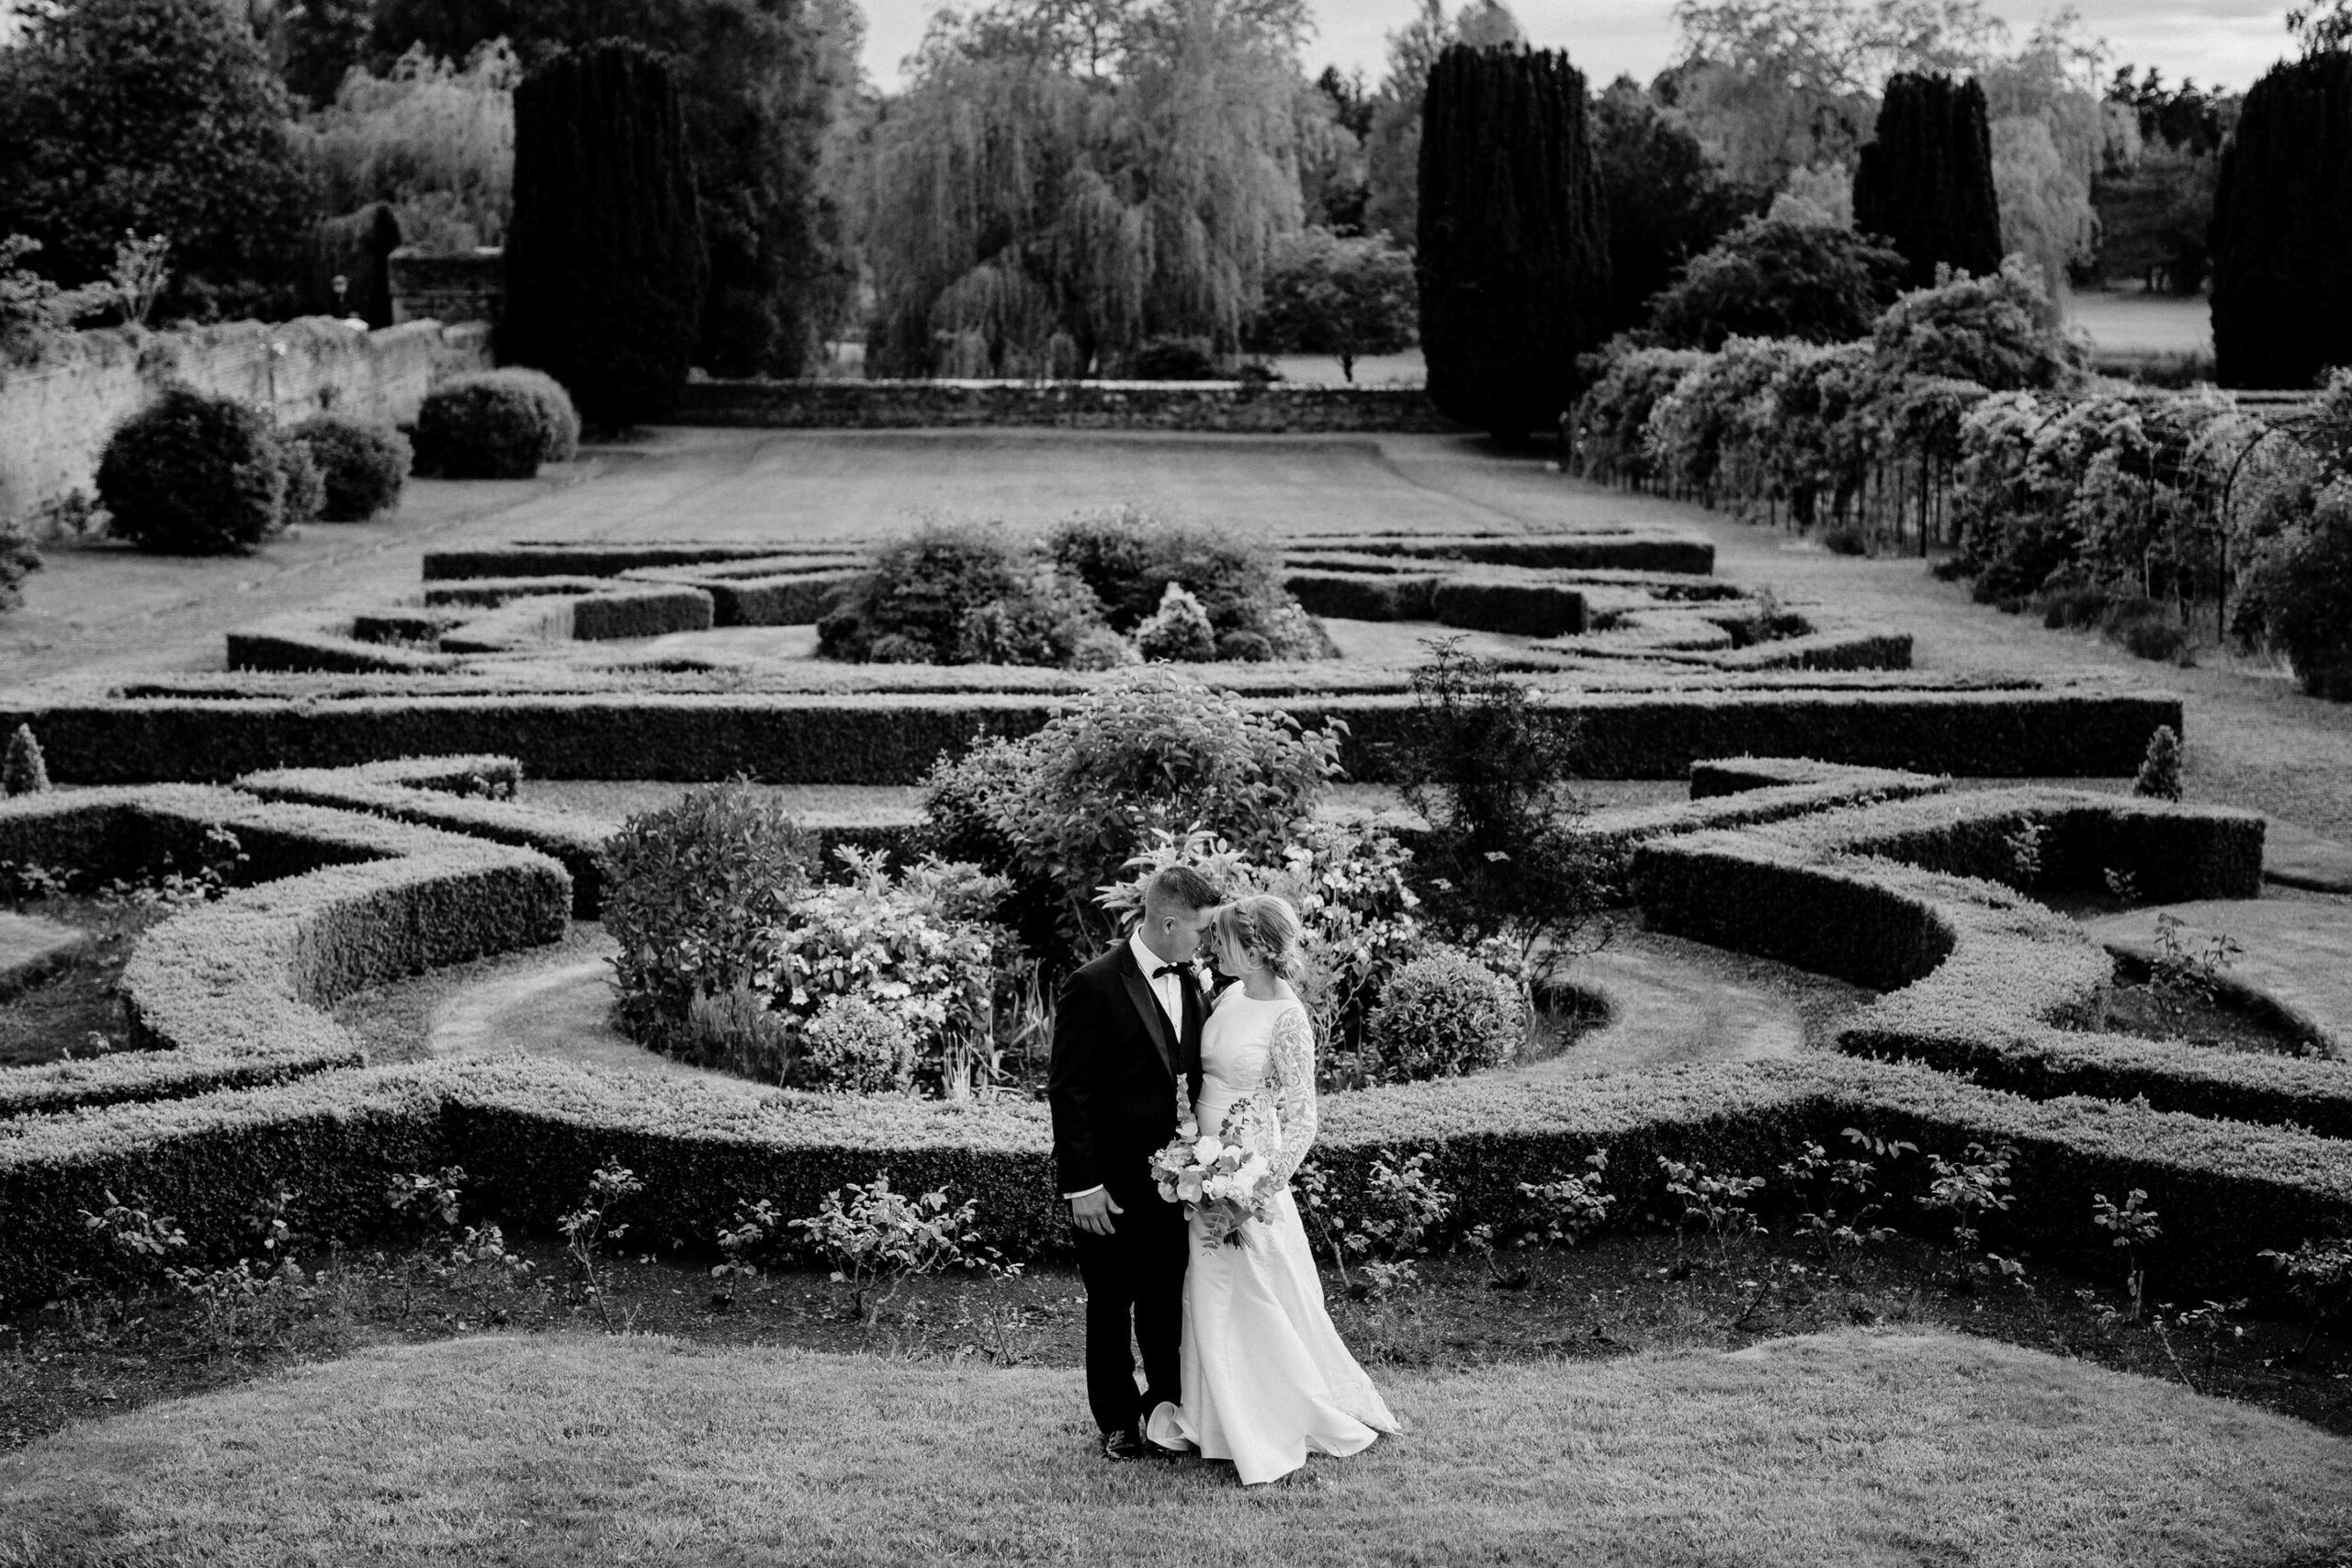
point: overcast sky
(2224, 42)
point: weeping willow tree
(1044, 199)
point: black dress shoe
(1126, 1443)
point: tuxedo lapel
(1147, 1008)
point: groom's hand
(1091, 1211)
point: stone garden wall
(1238, 406)
(54, 421)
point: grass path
(1840, 1448)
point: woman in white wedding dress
(1266, 1378)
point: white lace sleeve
(1290, 1082)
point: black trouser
(1135, 1282)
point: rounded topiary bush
(478, 427)
(558, 419)
(362, 464)
(852, 1047)
(191, 474)
(1444, 1014)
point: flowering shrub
(880, 1239)
(1178, 631)
(914, 950)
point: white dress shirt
(1168, 989)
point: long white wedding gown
(1266, 1378)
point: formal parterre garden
(863, 1150)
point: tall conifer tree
(2282, 229)
(1513, 262)
(1925, 181)
(604, 261)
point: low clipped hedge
(530, 1132)
(303, 645)
(1525, 609)
(228, 992)
(608, 614)
(1626, 550)
(1909, 899)
(1363, 595)
(443, 792)
(526, 558)
(784, 598)
(490, 592)
(881, 737)
(1809, 787)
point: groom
(1128, 1031)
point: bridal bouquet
(1226, 1178)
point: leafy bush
(1178, 632)
(1049, 618)
(18, 559)
(1488, 769)
(1063, 810)
(191, 474)
(1129, 558)
(1331, 294)
(23, 771)
(558, 419)
(1442, 1014)
(306, 488)
(481, 427)
(692, 891)
(1244, 647)
(1986, 330)
(2308, 590)
(921, 589)
(851, 1046)
(1772, 277)
(434, 139)
(1173, 359)
(361, 464)
(917, 948)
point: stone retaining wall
(54, 421)
(1238, 406)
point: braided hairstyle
(1265, 924)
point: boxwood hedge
(227, 992)
(1918, 899)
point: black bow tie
(1167, 969)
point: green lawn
(1846, 1448)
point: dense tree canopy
(604, 261)
(158, 116)
(1060, 185)
(1926, 179)
(1393, 140)
(2282, 229)
(1347, 296)
(1667, 199)
(1774, 278)
(1514, 257)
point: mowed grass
(1840, 1448)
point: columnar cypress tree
(1926, 179)
(1513, 262)
(2282, 229)
(604, 261)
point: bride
(1265, 1378)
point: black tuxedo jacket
(1112, 1081)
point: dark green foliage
(758, 81)
(1522, 609)
(1513, 252)
(323, 40)
(559, 420)
(479, 428)
(23, 771)
(18, 559)
(2308, 589)
(1924, 179)
(191, 474)
(1771, 277)
(1329, 294)
(1129, 558)
(1172, 359)
(361, 464)
(356, 248)
(159, 116)
(2159, 775)
(690, 891)
(1666, 198)
(1489, 772)
(1989, 329)
(920, 588)
(605, 268)
(1441, 1015)
(2282, 229)
(306, 488)
(2155, 221)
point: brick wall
(1229, 406)
(54, 421)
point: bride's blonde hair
(1265, 923)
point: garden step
(2298, 953)
(32, 949)
(2297, 857)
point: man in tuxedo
(1126, 1037)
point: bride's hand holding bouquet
(1225, 1179)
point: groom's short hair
(1180, 887)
